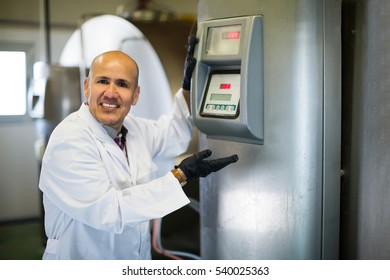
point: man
(97, 172)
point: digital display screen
(220, 97)
(223, 40)
(231, 35)
(225, 86)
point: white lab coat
(97, 206)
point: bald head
(116, 57)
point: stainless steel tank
(281, 200)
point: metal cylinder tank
(281, 200)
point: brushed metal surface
(269, 205)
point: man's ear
(86, 88)
(136, 96)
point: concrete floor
(21, 240)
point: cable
(157, 245)
(156, 234)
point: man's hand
(190, 62)
(197, 166)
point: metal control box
(228, 91)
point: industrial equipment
(273, 68)
(228, 84)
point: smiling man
(112, 88)
(97, 176)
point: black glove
(196, 166)
(190, 62)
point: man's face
(111, 88)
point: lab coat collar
(96, 127)
(102, 135)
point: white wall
(19, 195)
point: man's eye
(104, 82)
(123, 84)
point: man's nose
(111, 91)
